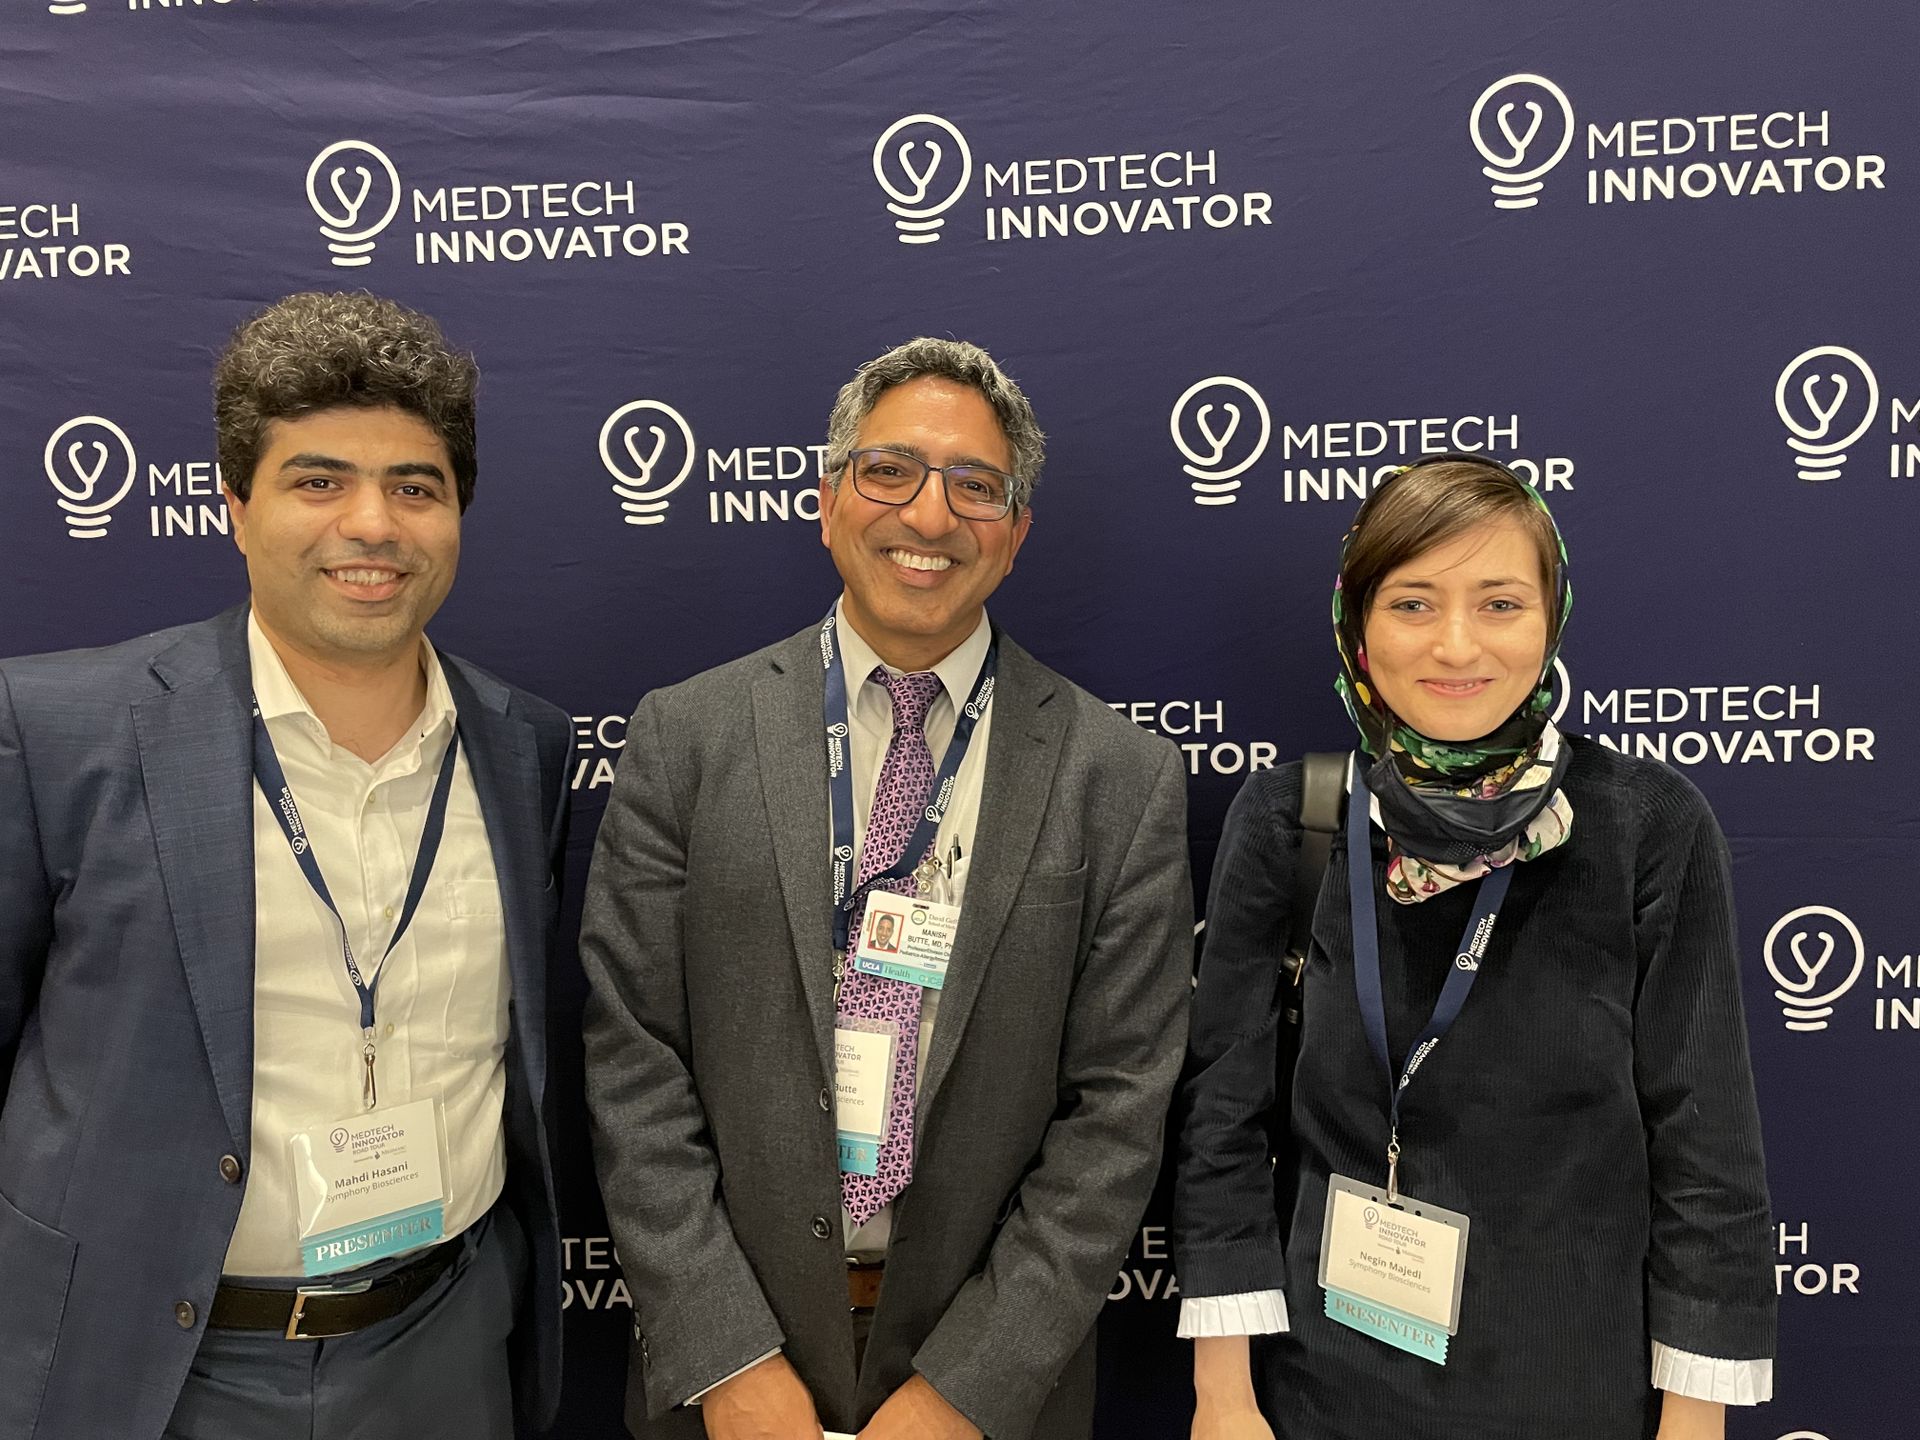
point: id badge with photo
(1393, 1270)
(863, 1053)
(906, 938)
(370, 1186)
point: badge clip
(369, 1091)
(923, 874)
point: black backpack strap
(1323, 785)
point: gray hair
(954, 360)
(317, 351)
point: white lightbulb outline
(917, 221)
(644, 502)
(349, 241)
(1566, 689)
(1213, 485)
(1802, 1009)
(1816, 457)
(1514, 188)
(87, 515)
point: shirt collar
(957, 672)
(279, 697)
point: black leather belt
(863, 1283)
(324, 1312)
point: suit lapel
(505, 762)
(196, 758)
(787, 706)
(1022, 753)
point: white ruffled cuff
(1258, 1312)
(1706, 1377)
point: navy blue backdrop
(1242, 255)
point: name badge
(862, 1089)
(369, 1186)
(905, 938)
(1393, 1270)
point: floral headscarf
(1453, 810)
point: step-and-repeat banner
(1243, 256)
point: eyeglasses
(891, 477)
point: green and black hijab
(1455, 809)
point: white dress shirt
(1698, 1377)
(441, 1021)
(870, 731)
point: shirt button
(389, 1029)
(821, 1231)
(183, 1314)
(389, 912)
(230, 1169)
(826, 1098)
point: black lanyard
(1366, 963)
(840, 778)
(273, 784)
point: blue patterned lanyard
(1366, 963)
(273, 784)
(840, 777)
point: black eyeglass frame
(927, 472)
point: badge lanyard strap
(840, 778)
(272, 779)
(1366, 963)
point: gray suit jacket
(708, 950)
(126, 1011)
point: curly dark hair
(315, 351)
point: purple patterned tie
(906, 779)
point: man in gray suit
(874, 1189)
(276, 900)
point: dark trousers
(439, 1368)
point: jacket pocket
(1040, 888)
(38, 1265)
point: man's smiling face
(351, 530)
(918, 576)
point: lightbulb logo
(648, 460)
(1827, 398)
(354, 189)
(914, 159)
(1214, 421)
(91, 463)
(1800, 952)
(1561, 689)
(1522, 126)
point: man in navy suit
(277, 892)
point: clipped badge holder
(370, 1186)
(1393, 1267)
(907, 939)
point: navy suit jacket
(126, 1012)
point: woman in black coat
(1518, 1191)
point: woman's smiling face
(1456, 637)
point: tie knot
(912, 695)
